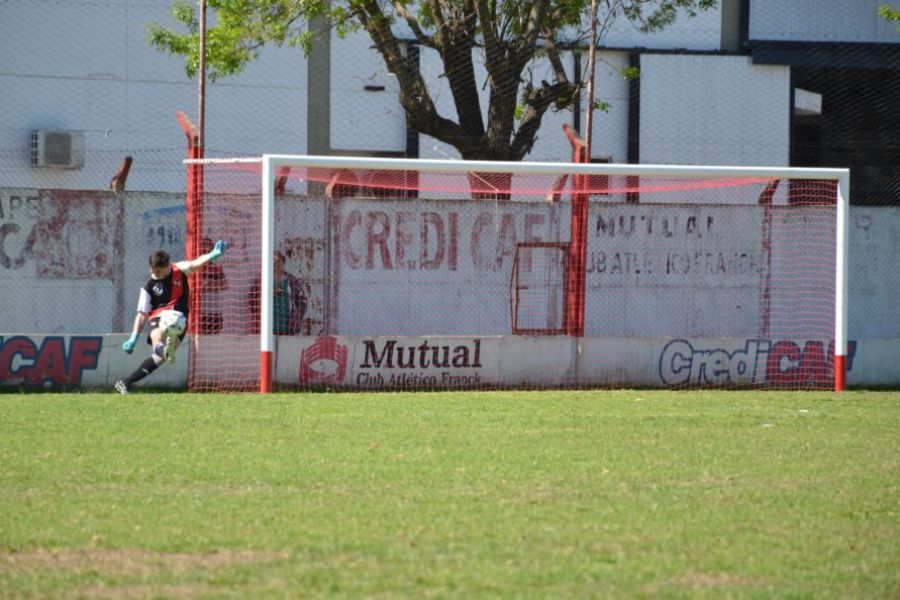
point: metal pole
(201, 76)
(266, 317)
(592, 62)
(842, 235)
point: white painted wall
(820, 21)
(59, 268)
(721, 110)
(465, 362)
(441, 267)
(88, 67)
(123, 94)
(703, 271)
(364, 120)
(874, 277)
(50, 287)
(610, 129)
(64, 285)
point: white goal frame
(272, 163)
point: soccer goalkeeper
(165, 303)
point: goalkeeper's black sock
(147, 367)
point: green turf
(605, 494)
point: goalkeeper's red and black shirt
(169, 293)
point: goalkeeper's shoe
(122, 388)
(172, 343)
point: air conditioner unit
(57, 149)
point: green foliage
(630, 73)
(520, 111)
(889, 13)
(653, 15)
(592, 494)
(242, 28)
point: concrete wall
(817, 21)
(720, 110)
(73, 262)
(653, 317)
(466, 362)
(364, 120)
(88, 67)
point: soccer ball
(172, 322)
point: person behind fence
(289, 302)
(164, 302)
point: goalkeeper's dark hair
(160, 258)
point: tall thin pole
(592, 62)
(195, 199)
(842, 260)
(201, 76)
(266, 330)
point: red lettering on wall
(784, 360)
(494, 244)
(454, 243)
(481, 222)
(402, 239)
(506, 244)
(22, 347)
(22, 361)
(353, 219)
(812, 366)
(533, 220)
(84, 353)
(378, 229)
(50, 362)
(431, 222)
(814, 369)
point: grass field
(604, 494)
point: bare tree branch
(540, 100)
(559, 71)
(534, 25)
(421, 36)
(439, 24)
(492, 49)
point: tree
(507, 35)
(891, 14)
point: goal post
(842, 261)
(406, 256)
(267, 237)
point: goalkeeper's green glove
(218, 250)
(128, 346)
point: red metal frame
(514, 290)
(194, 216)
(576, 284)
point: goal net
(354, 273)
